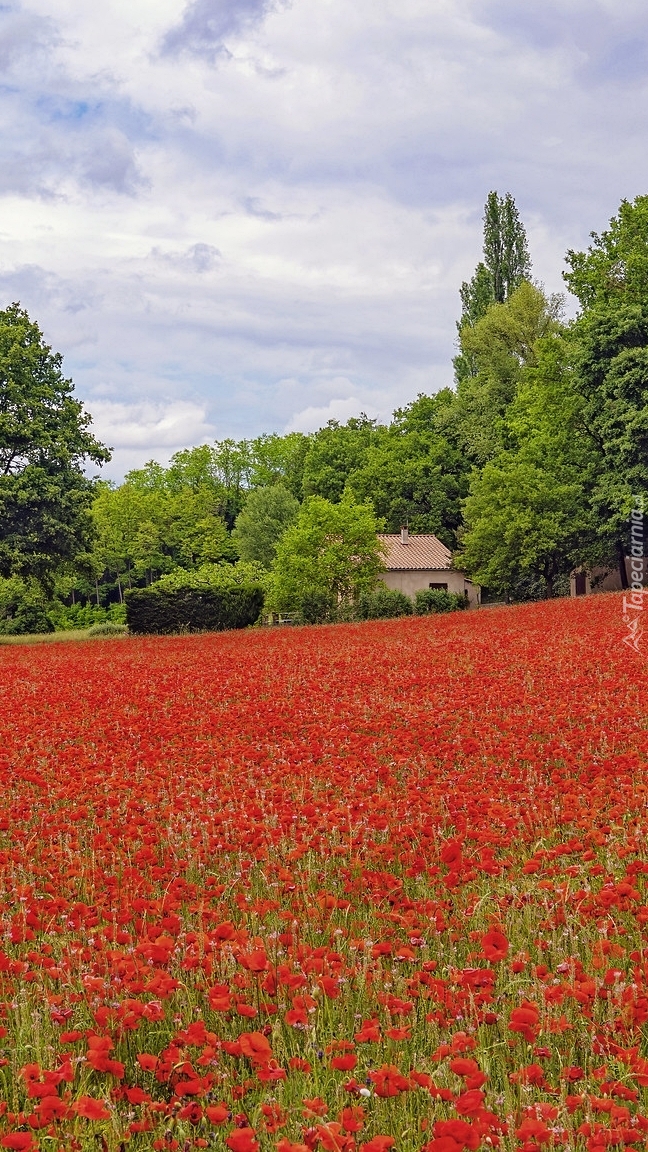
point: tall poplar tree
(505, 265)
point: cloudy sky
(236, 216)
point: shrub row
(430, 600)
(165, 611)
(380, 604)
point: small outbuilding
(585, 581)
(417, 562)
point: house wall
(412, 581)
(603, 579)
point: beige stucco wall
(410, 582)
(602, 579)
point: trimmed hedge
(431, 600)
(382, 604)
(163, 611)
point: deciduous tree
(267, 514)
(332, 550)
(45, 442)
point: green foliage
(610, 363)
(524, 516)
(382, 603)
(191, 609)
(611, 373)
(429, 601)
(331, 551)
(614, 270)
(279, 460)
(476, 298)
(214, 576)
(506, 252)
(142, 531)
(263, 521)
(413, 473)
(506, 265)
(70, 618)
(108, 628)
(23, 607)
(45, 496)
(314, 606)
(503, 345)
(334, 453)
(219, 473)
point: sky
(245, 216)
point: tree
(614, 270)
(331, 553)
(45, 497)
(334, 453)
(506, 252)
(263, 521)
(413, 474)
(222, 470)
(523, 518)
(501, 346)
(506, 264)
(279, 460)
(528, 518)
(610, 365)
(145, 530)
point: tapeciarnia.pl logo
(633, 600)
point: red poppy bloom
(242, 1140)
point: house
(585, 581)
(417, 562)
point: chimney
(404, 535)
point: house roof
(420, 553)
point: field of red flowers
(335, 888)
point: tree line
(526, 467)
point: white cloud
(339, 408)
(137, 431)
(202, 201)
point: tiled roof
(421, 552)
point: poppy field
(331, 889)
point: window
(438, 587)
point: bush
(428, 601)
(242, 573)
(108, 628)
(23, 608)
(188, 609)
(382, 604)
(66, 617)
(315, 607)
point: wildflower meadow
(350, 887)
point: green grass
(55, 637)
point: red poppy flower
(242, 1140)
(90, 1108)
(255, 1046)
(495, 946)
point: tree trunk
(121, 598)
(549, 579)
(97, 591)
(623, 575)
